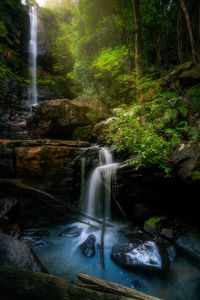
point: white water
(101, 182)
(33, 56)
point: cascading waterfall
(33, 56)
(102, 179)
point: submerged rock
(18, 254)
(71, 232)
(34, 241)
(34, 237)
(140, 256)
(88, 247)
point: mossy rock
(60, 118)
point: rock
(171, 252)
(34, 237)
(13, 229)
(36, 233)
(190, 77)
(16, 253)
(140, 256)
(60, 118)
(150, 227)
(88, 247)
(167, 233)
(189, 245)
(185, 158)
(34, 241)
(6, 204)
(22, 284)
(72, 232)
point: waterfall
(103, 177)
(33, 56)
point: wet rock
(35, 233)
(140, 256)
(150, 227)
(72, 232)
(171, 252)
(189, 245)
(167, 233)
(16, 253)
(13, 229)
(59, 118)
(34, 237)
(34, 241)
(88, 247)
(6, 204)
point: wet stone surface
(88, 247)
(139, 255)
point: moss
(194, 73)
(195, 97)
(156, 219)
(83, 133)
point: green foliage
(156, 219)
(92, 116)
(6, 73)
(195, 96)
(149, 129)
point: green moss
(156, 219)
(195, 97)
(196, 175)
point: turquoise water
(63, 257)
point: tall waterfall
(100, 187)
(33, 56)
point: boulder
(60, 118)
(186, 158)
(189, 245)
(140, 256)
(18, 254)
(88, 247)
(6, 204)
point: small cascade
(98, 198)
(33, 56)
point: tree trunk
(158, 51)
(179, 37)
(199, 30)
(138, 42)
(187, 18)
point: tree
(187, 18)
(138, 42)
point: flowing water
(102, 181)
(62, 255)
(33, 56)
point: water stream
(62, 255)
(33, 56)
(101, 183)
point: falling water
(100, 186)
(33, 56)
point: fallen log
(112, 288)
(73, 214)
